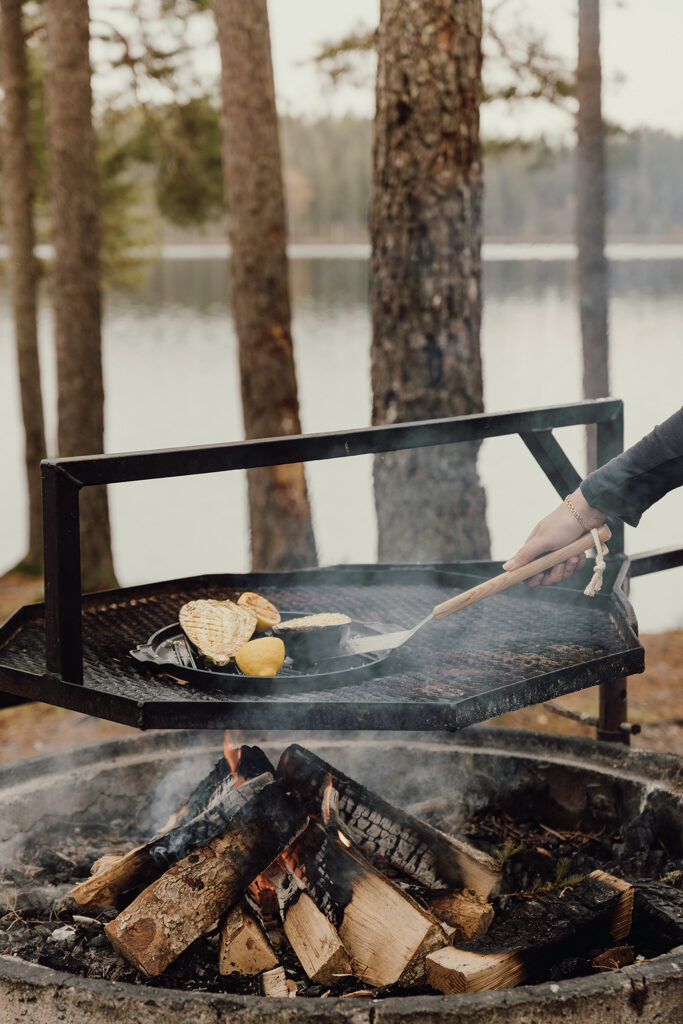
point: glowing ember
(342, 838)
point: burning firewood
(540, 933)
(464, 912)
(311, 935)
(200, 819)
(237, 765)
(175, 909)
(381, 830)
(386, 934)
(244, 947)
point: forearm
(633, 481)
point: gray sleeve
(640, 476)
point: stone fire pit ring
(569, 778)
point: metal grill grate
(514, 649)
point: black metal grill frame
(512, 650)
(62, 680)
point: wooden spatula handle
(525, 572)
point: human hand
(553, 532)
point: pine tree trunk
(590, 215)
(425, 290)
(280, 517)
(76, 274)
(18, 210)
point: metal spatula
(387, 641)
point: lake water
(171, 378)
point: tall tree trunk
(76, 276)
(425, 289)
(280, 517)
(18, 209)
(590, 214)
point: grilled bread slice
(217, 628)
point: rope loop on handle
(600, 551)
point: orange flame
(343, 839)
(231, 754)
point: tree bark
(76, 273)
(280, 516)
(425, 287)
(590, 215)
(18, 209)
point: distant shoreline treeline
(529, 189)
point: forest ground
(655, 700)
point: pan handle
(525, 572)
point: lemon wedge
(266, 613)
(262, 657)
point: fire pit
(566, 782)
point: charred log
(175, 909)
(539, 934)
(145, 863)
(659, 912)
(381, 830)
(251, 762)
(386, 934)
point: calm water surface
(171, 379)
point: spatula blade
(383, 641)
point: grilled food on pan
(262, 657)
(217, 628)
(266, 613)
(314, 637)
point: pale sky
(641, 44)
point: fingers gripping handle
(525, 572)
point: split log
(105, 861)
(244, 946)
(659, 913)
(381, 830)
(386, 933)
(276, 984)
(311, 935)
(525, 945)
(452, 970)
(175, 909)
(463, 912)
(620, 924)
(213, 801)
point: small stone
(65, 936)
(88, 924)
(98, 941)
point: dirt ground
(655, 700)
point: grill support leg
(613, 694)
(613, 712)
